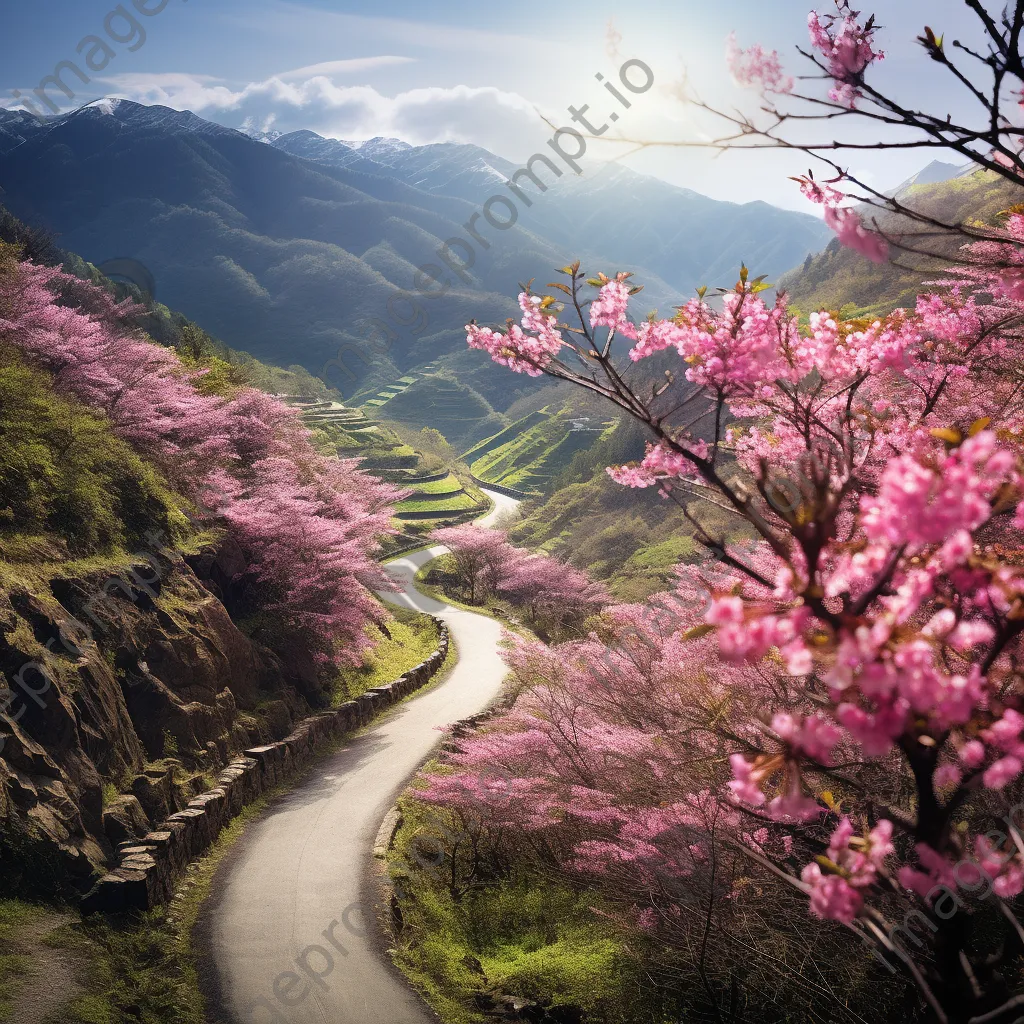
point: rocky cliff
(126, 690)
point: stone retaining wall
(149, 868)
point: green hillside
(839, 278)
(440, 401)
(530, 453)
(378, 399)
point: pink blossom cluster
(758, 67)
(1004, 251)
(999, 871)
(742, 350)
(746, 633)
(659, 464)
(851, 232)
(820, 192)
(945, 496)
(852, 865)
(848, 47)
(609, 308)
(520, 351)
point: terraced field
(447, 486)
(457, 503)
(441, 402)
(503, 437)
(527, 454)
(428, 396)
(381, 398)
(438, 497)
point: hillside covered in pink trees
(308, 524)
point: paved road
(283, 936)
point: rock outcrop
(134, 682)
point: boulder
(124, 820)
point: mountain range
(292, 247)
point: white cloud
(344, 67)
(309, 98)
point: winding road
(283, 939)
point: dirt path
(50, 980)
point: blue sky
(461, 71)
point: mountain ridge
(265, 247)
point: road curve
(282, 940)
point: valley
(442, 584)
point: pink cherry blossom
(758, 67)
(609, 308)
(852, 233)
(847, 47)
(308, 525)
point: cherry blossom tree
(480, 557)
(308, 525)
(871, 762)
(553, 593)
(878, 463)
(610, 765)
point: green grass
(422, 527)
(14, 965)
(519, 935)
(132, 971)
(459, 503)
(65, 475)
(668, 553)
(413, 640)
(446, 486)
